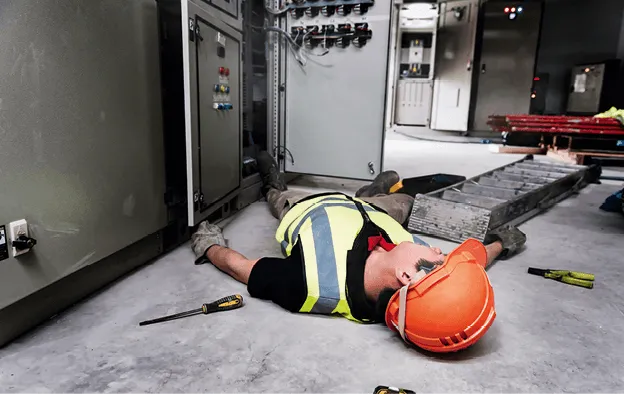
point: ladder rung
(521, 178)
(507, 184)
(545, 167)
(490, 191)
(471, 199)
(541, 174)
(576, 167)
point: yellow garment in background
(614, 113)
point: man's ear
(402, 276)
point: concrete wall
(81, 139)
(577, 31)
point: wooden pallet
(524, 150)
(579, 156)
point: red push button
(221, 70)
(227, 72)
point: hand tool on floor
(575, 278)
(224, 304)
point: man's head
(388, 271)
(406, 259)
(459, 285)
(397, 267)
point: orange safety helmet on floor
(449, 309)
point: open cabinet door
(212, 59)
(334, 104)
(454, 65)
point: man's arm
(281, 280)
(231, 262)
(493, 251)
(503, 242)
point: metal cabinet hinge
(198, 200)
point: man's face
(406, 257)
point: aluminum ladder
(508, 195)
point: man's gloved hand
(207, 235)
(511, 238)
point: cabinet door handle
(483, 69)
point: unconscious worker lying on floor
(352, 257)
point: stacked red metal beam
(555, 124)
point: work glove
(206, 236)
(511, 238)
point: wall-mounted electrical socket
(17, 228)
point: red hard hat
(449, 309)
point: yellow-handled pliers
(570, 277)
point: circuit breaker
(332, 87)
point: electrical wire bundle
(297, 50)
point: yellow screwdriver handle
(224, 304)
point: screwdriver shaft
(172, 317)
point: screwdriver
(224, 304)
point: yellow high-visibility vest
(326, 227)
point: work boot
(207, 235)
(380, 185)
(511, 238)
(270, 174)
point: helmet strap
(402, 308)
(403, 303)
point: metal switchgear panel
(214, 138)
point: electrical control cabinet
(83, 160)
(507, 60)
(415, 52)
(454, 65)
(212, 56)
(481, 63)
(228, 11)
(593, 88)
(332, 87)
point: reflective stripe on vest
(326, 228)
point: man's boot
(511, 238)
(269, 172)
(380, 185)
(206, 236)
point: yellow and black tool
(224, 304)
(575, 278)
(392, 390)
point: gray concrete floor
(547, 337)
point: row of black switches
(329, 10)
